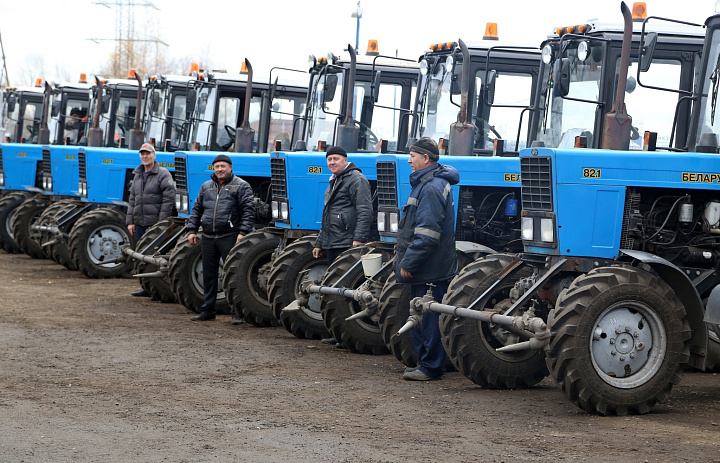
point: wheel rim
(10, 222)
(628, 345)
(315, 273)
(105, 244)
(197, 278)
(366, 322)
(257, 277)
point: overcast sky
(52, 36)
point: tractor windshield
(438, 111)
(563, 119)
(325, 107)
(709, 122)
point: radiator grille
(82, 166)
(46, 161)
(278, 180)
(180, 173)
(536, 181)
(386, 184)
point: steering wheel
(230, 131)
(372, 139)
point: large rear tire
(245, 277)
(28, 214)
(158, 287)
(97, 237)
(8, 208)
(471, 344)
(288, 271)
(620, 338)
(361, 336)
(60, 251)
(394, 311)
(186, 277)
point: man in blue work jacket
(426, 249)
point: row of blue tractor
(587, 238)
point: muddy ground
(90, 374)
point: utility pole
(4, 72)
(358, 14)
(125, 56)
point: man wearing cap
(77, 121)
(426, 249)
(152, 197)
(225, 209)
(347, 213)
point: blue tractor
(22, 165)
(355, 102)
(619, 263)
(228, 114)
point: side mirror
(11, 101)
(190, 102)
(647, 48)
(376, 87)
(55, 108)
(490, 87)
(561, 73)
(330, 86)
(105, 106)
(155, 102)
(631, 84)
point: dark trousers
(213, 251)
(427, 338)
(332, 254)
(140, 231)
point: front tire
(245, 277)
(8, 208)
(361, 336)
(28, 214)
(186, 277)
(158, 287)
(471, 344)
(97, 237)
(288, 271)
(620, 338)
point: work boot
(410, 369)
(237, 319)
(203, 316)
(140, 293)
(418, 375)
(329, 340)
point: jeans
(427, 338)
(213, 251)
(332, 254)
(140, 231)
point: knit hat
(223, 158)
(426, 145)
(147, 147)
(336, 150)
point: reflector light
(639, 11)
(372, 48)
(131, 73)
(194, 67)
(83, 78)
(244, 68)
(491, 32)
(38, 82)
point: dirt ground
(90, 374)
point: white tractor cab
(22, 113)
(69, 110)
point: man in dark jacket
(348, 211)
(152, 197)
(225, 209)
(426, 249)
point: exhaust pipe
(244, 134)
(462, 132)
(44, 132)
(95, 134)
(137, 136)
(617, 124)
(347, 133)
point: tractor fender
(712, 310)
(685, 290)
(469, 247)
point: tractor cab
(705, 126)
(116, 115)
(22, 113)
(579, 77)
(68, 121)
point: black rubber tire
(394, 311)
(245, 277)
(47, 218)
(283, 288)
(581, 321)
(361, 336)
(60, 251)
(99, 231)
(185, 276)
(471, 345)
(158, 288)
(8, 207)
(28, 214)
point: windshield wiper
(715, 79)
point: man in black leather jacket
(225, 210)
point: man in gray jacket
(225, 208)
(152, 197)
(348, 210)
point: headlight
(527, 228)
(381, 221)
(583, 51)
(284, 211)
(178, 203)
(547, 233)
(393, 222)
(49, 184)
(275, 209)
(449, 63)
(2, 179)
(185, 203)
(547, 54)
(423, 67)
